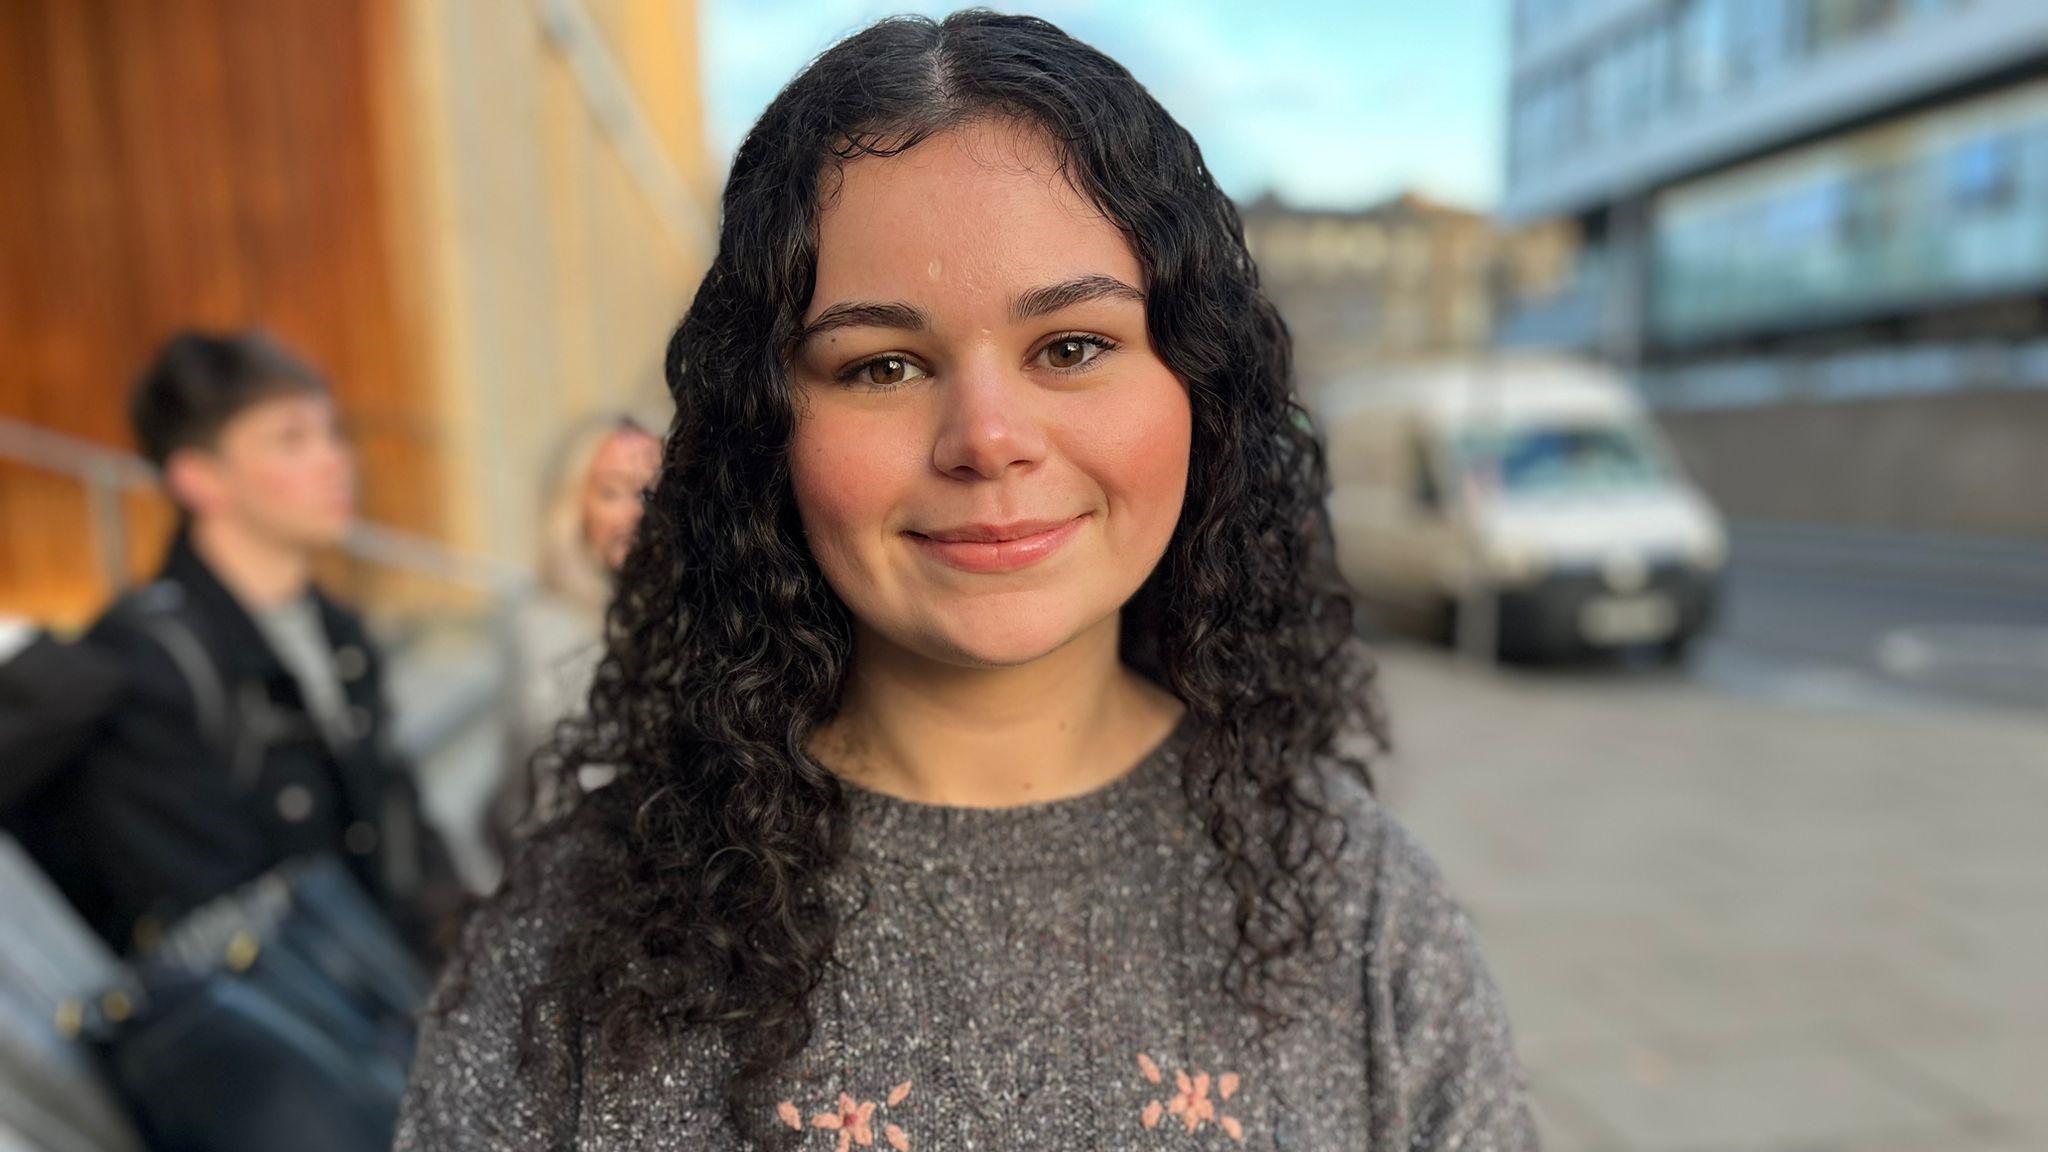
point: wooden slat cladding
(215, 163)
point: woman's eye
(886, 372)
(1068, 353)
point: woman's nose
(989, 423)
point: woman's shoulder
(1344, 788)
(497, 1066)
(509, 939)
(1389, 874)
(510, 1060)
(1439, 1032)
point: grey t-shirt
(295, 633)
(1037, 977)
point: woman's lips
(999, 555)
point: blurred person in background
(592, 501)
(254, 728)
(979, 686)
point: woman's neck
(1063, 725)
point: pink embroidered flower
(851, 1122)
(854, 1120)
(1191, 1102)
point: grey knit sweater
(1041, 977)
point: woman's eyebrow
(860, 314)
(910, 318)
(1067, 293)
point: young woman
(593, 494)
(986, 714)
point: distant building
(1817, 230)
(1406, 278)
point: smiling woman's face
(989, 455)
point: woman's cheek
(1138, 444)
(840, 492)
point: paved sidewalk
(1732, 924)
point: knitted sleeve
(479, 1081)
(1442, 1067)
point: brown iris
(887, 370)
(1060, 350)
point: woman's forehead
(626, 449)
(980, 210)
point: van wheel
(1677, 650)
(1448, 621)
(1441, 624)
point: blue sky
(1328, 102)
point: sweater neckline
(1085, 828)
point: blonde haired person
(595, 484)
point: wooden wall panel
(219, 163)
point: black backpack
(55, 694)
(53, 697)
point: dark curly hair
(698, 883)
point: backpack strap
(153, 609)
(196, 665)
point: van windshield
(1544, 460)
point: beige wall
(1968, 463)
(553, 250)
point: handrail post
(103, 484)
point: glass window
(1836, 21)
(1571, 111)
(1955, 200)
(1633, 81)
(1757, 38)
(1983, 174)
(1561, 459)
(2032, 152)
(1806, 217)
(1702, 49)
(1657, 63)
(1875, 200)
(1604, 97)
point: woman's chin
(1005, 641)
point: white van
(1534, 487)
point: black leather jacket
(213, 770)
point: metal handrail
(38, 447)
(107, 472)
